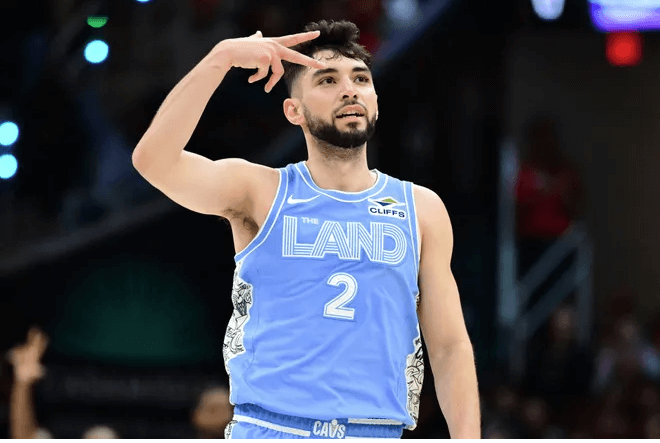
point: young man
(335, 263)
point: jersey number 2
(336, 308)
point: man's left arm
(441, 320)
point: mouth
(350, 116)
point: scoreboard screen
(625, 15)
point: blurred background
(536, 121)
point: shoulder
(434, 223)
(430, 208)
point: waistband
(312, 428)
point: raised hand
(26, 358)
(261, 53)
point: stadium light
(8, 166)
(96, 51)
(624, 48)
(97, 21)
(8, 133)
(625, 15)
(548, 9)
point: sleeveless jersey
(325, 304)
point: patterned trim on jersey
(414, 379)
(241, 298)
(229, 428)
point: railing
(517, 324)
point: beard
(349, 139)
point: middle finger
(301, 59)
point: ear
(293, 111)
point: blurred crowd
(609, 390)
(208, 418)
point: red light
(624, 48)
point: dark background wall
(609, 124)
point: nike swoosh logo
(293, 201)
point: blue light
(142, 1)
(8, 166)
(625, 15)
(548, 9)
(402, 11)
(96, 51)
(8, 133)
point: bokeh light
(96, 51)
(8, 133)
(8, 166)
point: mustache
(350, 103)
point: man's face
(329, 95)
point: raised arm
(441, 320)
(195, 182)
(27, 371)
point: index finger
(42, 343)
(294, 39)
(296, 57)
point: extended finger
(294, 39)
(42, 343)
(261, 73)
(278, 72)
(296, 57)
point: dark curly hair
(338, 36)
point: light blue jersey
(325, 305)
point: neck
(341, 173)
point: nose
(349, 90)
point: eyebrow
(325, 71)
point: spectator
(28, 370)
(535, 418)
(213, 413)
(547, 192)
(625, 356)
(610, 421)
(505, 403)
(559, 369)
(100, 432)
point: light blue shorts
(251, 421)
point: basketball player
(335, 263)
